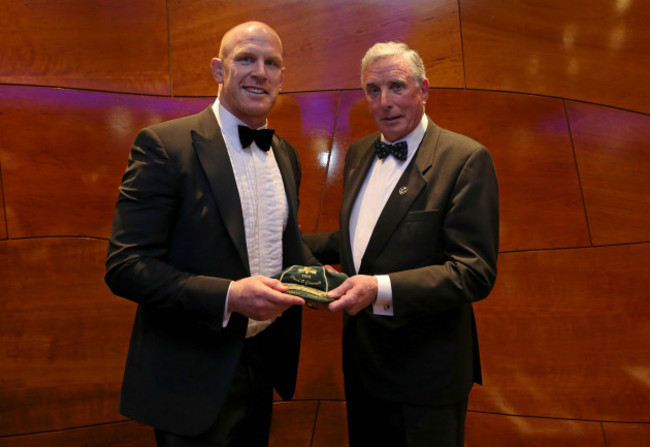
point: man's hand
(260, 298)
(356, 293)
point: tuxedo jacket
(437, 240)
(177, 242)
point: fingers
(260, 298)
(330, 269)
(356, 293)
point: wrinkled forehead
(387, 69)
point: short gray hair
(392, 49)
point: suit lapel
(407, 189)
(213, 155)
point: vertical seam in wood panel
(313, 427)
(462, 45)
(329, 160)
(602, 430)
(575, 162)
(4, 204)
(169, 51)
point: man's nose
(385, 99)
(259, 69)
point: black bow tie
(262, 137)
(399, 150)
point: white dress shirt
(263, 201)
(373, 195)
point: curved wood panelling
(564, 335)
(3, 220)
(121, 434)
(584, 50)
(613, 154)
(119, 45)
(493, 430)
(307, 122)
(626, 435)
(323, 40)
(64, 336)
(64, 152)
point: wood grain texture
(64, 336)
(63, 154)
(331, 425)
(583, 50)
(117, 46)
(121, 434)
(293, 424)
(564, 334)
(320, 372)
(323, 41)
(307, 121)
(626, 435)
(493, 430)
(613, 155)
(3, 219)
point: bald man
(206, 214)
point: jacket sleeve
(137, 266)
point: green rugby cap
(310, 282)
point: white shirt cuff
(384, 303)
(226, 314)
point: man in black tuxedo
(207, 212)
(418, 236)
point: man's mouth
(255, 90)
(392, 118)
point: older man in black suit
(207, 212)
(418, 234)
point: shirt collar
(414, 138)
(229, 123)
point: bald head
(250, 71)
(243, 31)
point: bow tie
(262, 137)
(399, 150)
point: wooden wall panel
(564, 334)
(320, 372)
(539, 191)
(613, 154)
(324, 40)
(64, 336)
(307, 121)
(293, 424)
(121, 434)
(494, 430)
(626, 435)
(331, 426)
(119, 45)
(584, 50)
(3, 219)
(63, 154)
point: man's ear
(216, 65)
(425, 89)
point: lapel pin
(403, 190)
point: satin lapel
(355, 175)
(409, 186)
(213, 155)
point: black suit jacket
(437, 239)
(177, 242)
